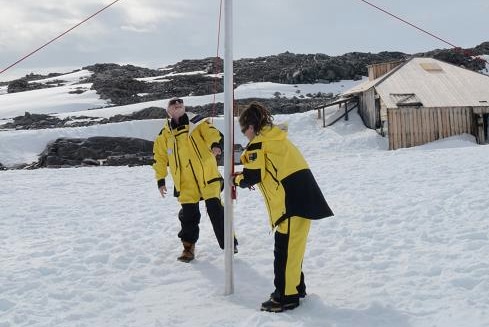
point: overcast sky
(155, 33)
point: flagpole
(228, 147)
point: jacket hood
(275, 132)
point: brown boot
(188, 252)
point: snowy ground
(408, 246)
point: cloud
(162, 32)
(26, 24)
(136, 29)
(150, 13)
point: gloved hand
(237, 179)
(232, 180)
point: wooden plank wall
(409, 127)
(377, 70)
(367, 108)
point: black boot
(274, 305)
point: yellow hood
(275, 133)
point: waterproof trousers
(290, 246)
(190, 219)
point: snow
(486, 69)
(50, 100)
(57, 100)
(68, 78)
(408, 245)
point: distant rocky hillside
(123, 85)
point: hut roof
(429, 82)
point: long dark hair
(256, 115)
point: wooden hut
(422, 100)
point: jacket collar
(181, 122)
(190, 119)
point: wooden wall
(377, 70)
(367, 109)
(409, 126)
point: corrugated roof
(368, 84)
(434, 83)
(362, 87)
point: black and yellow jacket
(285, 180)
(186, 148)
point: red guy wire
(408, 23)
(216, 62)
(59, 36)
(464, 52)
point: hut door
(486, 127)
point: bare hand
(216, 151)
(162, 190)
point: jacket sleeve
(211, 135)
(254, 171)
(160, 159)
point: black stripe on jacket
(254, 146)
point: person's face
(175, 108)
(248, 131)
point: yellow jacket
(285, 180)
(186, 149)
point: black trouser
(290, 240)
(190, 220)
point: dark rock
(90, 162)
(129, 160)
(96, 150)
(119, 90)
(21, 85)
(461, 57)
(33, 121)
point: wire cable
(466, 53)
(216, 62)
(57, 37)
(410, 24)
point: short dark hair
(256, 115)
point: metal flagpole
(228, 147)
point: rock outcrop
(94, 151)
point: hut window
(406, 100)
(431, 67)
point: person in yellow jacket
(292, 197)
(188, 144)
